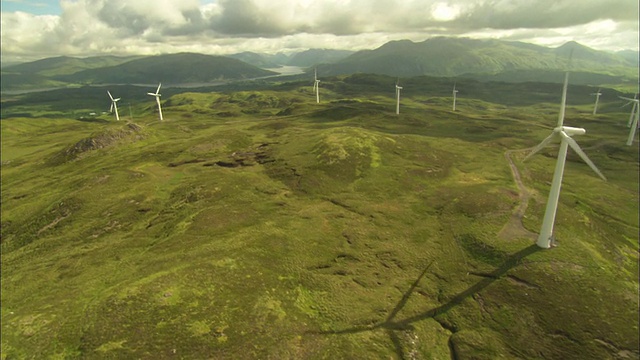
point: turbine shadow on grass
(391, 325)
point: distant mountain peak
(574, 45)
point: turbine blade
(626, 98)
(574, 145)
(152, 94)
(634, 109)
(111, 108)
(158, 91)
(540, 146)
(109, 94)
(563, 103)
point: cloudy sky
(34, 29)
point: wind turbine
(114, 105)
(316, 85)
(634, 121)
(634, 109)
(398, 88)
(454, 96)
(563, 134)
(597, 94)
(157, 95)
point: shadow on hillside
(391, 325)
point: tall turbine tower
(454, 96)
(563, 134)
(157, 96)
(634, 109)
(114, 105)
(316, 85)
(634, 114)
(398, 88)
(597, 95)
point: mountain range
(444, 56)
(173, 68)
(441, 56)
(181, 68)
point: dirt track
(514, 228)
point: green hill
(457, 56)
(318, 56)
(261, 225)
(259, 60)
(65, 65)
(11, 81)
(180, 68)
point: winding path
(514, 228)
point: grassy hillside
(442, 56)
(261, 225)
(27, 81)
(181, 68)
(64, 65)
(172, 69)
(39, 74)
(259, 60)
(318, 56)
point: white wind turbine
(454, 96)
(563, 134)
(157, 95)
(634, 118)
(114, 105)
(634, 108)
(316, 85)
(398, 88)
(597, 95)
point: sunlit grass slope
(261, 225)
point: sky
(35, 29)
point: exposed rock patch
(260, 154)
(104, 139)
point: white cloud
(444, 12)
(91, 27)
